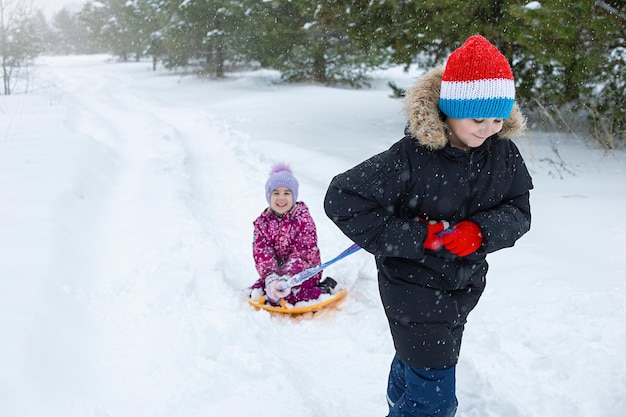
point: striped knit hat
(477, 82)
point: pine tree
(205, 33)
(149, 27)
(574, 60)
(64, 28)
(321, 43)
(426, 31)
(92, 21)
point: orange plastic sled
(287, 309)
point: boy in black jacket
(431, 208)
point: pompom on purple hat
(281, 175)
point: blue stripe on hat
(499, 108)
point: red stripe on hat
(477, 59)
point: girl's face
(281, 200)
(471, 133)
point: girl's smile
(281, 200)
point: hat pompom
(281, 175)
(280, 166)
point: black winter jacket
(427, 295)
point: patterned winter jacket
(287, 245)
(427, 295)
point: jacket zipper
(469, 175)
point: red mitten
(462, 239)
(433, 241)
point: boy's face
(471, 133)
(281, 200)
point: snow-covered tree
(574, 58)
(204, 33)
(21, 40)
(314, 41)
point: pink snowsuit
(287, 245)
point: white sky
(50, 7)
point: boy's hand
(462, 239)
(433, 241)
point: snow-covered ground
(125, 242)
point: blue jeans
(421, 392)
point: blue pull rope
(302, 276)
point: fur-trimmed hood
(421, 105)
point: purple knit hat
(281, 176)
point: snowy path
(159, 279)
(129, 197)
(148, 251)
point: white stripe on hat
(479, 89)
